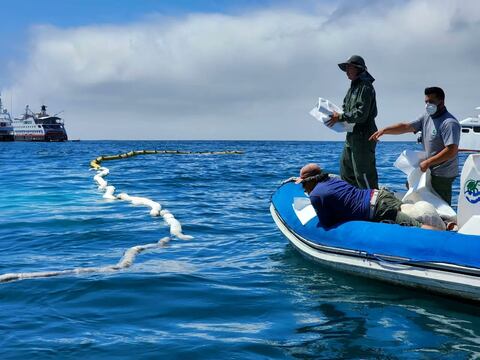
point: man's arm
(397, 129)
(324, 217)
(360, 112)
(449, 152)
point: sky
(231, 69)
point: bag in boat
(420, 188)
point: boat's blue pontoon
(440, 261)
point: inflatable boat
(445, 262)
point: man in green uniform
(357, 164)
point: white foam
(129, 256)
(102, 183)
(109, 190)
(126, 261)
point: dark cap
(356, 60)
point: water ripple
(237, 290)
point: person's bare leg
(429, 227)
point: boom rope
(156, 210)
(95, 164)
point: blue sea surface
(238, 290)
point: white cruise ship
(39, 127)
(6, 128)
(470, 136)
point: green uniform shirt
(360, 108)
(357, 164)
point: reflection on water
(345, 316)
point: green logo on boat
(472, 193)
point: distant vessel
(39, 127)
(6, 128)
(470, 136)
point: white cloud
(249, 76)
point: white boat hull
(444, 282)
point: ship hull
(42, 138)
(7, 137)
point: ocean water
(238, 290)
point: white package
(323, 111)
(303, 209)
(420, 188)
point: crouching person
(335, 201)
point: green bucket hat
(356, 60)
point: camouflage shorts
(387, 209)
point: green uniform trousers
(443, 187)
(388, 208)
(357, 164)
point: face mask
(431, 108)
